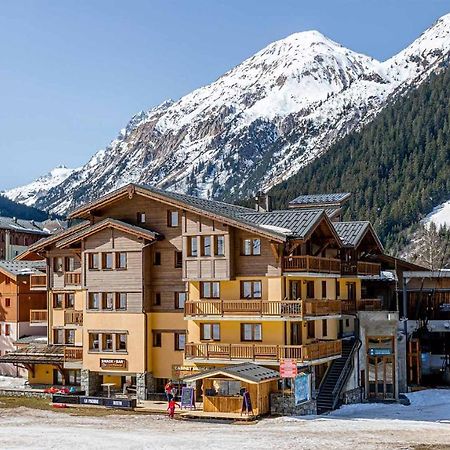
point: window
(121, 342)
(7, 302)
(206, 245)
(108, 301)
(251, 289)
(94, 261)
(70, 300)
(251, 247)
(311, 329)
(70, 264)
(210, 332)
(73, 377)
(58, 264)
(178, 260)
(310, 289)
(107, 261)
(121, 260)
(70, 337)
(172, 218)
(324, 327)
(107, 342)
(157, 259)
(140, 216)
(180, 341)
(251, 332)
(219, 247)
(338, 289)
(227, 388)
(347, 323)
(7, 329)
(210, 289)
(324, 289)
(121, 301)
(180, 299)
(94, 342)
(58, 300)
(193, 246)
(157, 299)
(94, 300)
(157, 339)
(58, 336)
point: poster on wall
(302, 388)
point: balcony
(361, 268)
(72, 279)
(38, 282)
(308, 263)
(364, 304)
(268, 354)
(38, 317)
(73, 318)
(73, 357)
(284, 309)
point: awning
(35, 354)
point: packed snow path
(375, 426)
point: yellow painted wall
(43, 374)
(162, 359)
(116, 379)
(114, 321)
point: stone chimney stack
(263, 202)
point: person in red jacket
(171, 408)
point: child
(171, 408)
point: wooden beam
(276, 251)
(324, 246)
(293, 246)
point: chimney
(263, 202)
(15, 219)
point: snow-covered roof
(24, 226)
(16, 268)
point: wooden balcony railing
(38, 282)
(72, 278)
(364, 304)
(311, 264)
(73, 354)
(73, 318)
(38, 316)
(368, 268)
(264, 352)
(262, 308)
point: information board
(187, 397)
(288, 368)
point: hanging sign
(288, 368)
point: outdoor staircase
(335, 378)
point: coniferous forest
(397, 167)
(9, 208)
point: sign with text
(187, 398)
(380, 351)
(288, 368)
(107, 363)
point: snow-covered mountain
(29, 194)
(257, 124)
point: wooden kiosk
(224, 389)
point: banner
(302, 388)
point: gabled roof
(310, 200)
(352, 233)
(24, 226)
(247, 372)
(109, 223)
(42, 243)
(276, 225)
(35, 354)
(13, 269)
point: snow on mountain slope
(439, 216)
(257, 124)
(30, 193)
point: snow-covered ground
(12, 382)
(440, 215)
(426, 422)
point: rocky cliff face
(257, 124)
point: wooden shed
(224, 388)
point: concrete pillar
(144, 385)
(402, 381)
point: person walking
(171, 408)
(168, 388)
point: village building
(17, 234)
(23, 308)
(152, 285)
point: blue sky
(73, 72)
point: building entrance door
(296, 333)
(380, 370)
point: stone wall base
(286, 406)
(353, 396)
(24, 393)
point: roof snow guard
(247, 372)
(319, 200)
